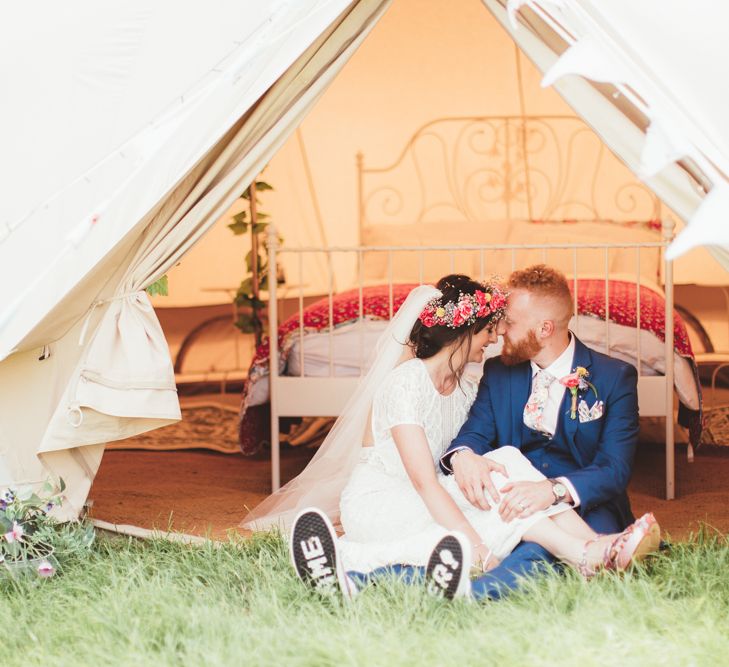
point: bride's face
(480, 340)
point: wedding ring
(521, 505)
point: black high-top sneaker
(446, 574)
(313, 547)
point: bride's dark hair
(428, 341)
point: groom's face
(523, 316)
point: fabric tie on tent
(125, 372)
(587, 58)
(709, 225)
(661, 148)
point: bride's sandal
(637, 541)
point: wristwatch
(559, 490)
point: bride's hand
(473, 475)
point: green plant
(248, 295)
(29, 535)
(159, 287)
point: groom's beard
(513, 353)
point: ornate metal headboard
(481, 168)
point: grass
(157, 603)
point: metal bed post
(273, 363)
(360, 194)
(667, 229)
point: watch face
(559, 490)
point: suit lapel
(520, 381)
(582, 358)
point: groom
(582, 437)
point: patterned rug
(716, 431)
(205, 425)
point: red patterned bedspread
(622, 306)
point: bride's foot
(313, 548)
(618, 551)
(446, 574)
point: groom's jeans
(527, 559)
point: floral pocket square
(588, 414)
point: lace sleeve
(398, 401)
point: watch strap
(557, 498)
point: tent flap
(122, 382)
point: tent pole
(273, 356)
(668, 226)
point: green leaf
(238, 228)
(262, 185)
(262, 217)
(240, 223)
(248, 300)
(245, 323)
(246, 286)
(260, 227)
(158, 287)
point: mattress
(351, 345)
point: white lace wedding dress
(385, 521)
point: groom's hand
(473, 475)
(522, 499)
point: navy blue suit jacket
(602, 450)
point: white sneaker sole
(313, 550)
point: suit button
(545, 465)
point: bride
(378, 470)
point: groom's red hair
(548, 283)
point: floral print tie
(534, 409)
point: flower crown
(489, 302)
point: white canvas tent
(423, 61)
(151, 134)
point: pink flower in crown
(465, 308)
(498, 301)
(427, 317)
(483, 299)
(458, 318)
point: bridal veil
(320, 484)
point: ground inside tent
(199, 491)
